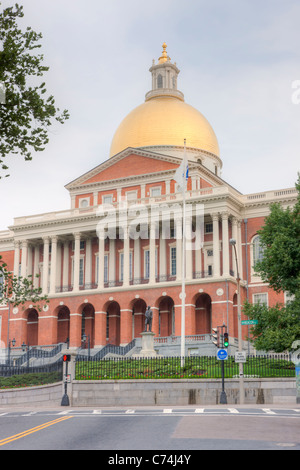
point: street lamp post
(13, 342)
(241, 365)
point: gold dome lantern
(164, 119)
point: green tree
(278, 326)
(26, 114)
(17, 290)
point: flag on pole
(182, 174)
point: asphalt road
(168, 436)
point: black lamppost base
(65, 400)
(223, 398)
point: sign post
(222, 355)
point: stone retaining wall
(39, 395)
(154, 392)
(180, 392)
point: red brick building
(101, 287)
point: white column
(101, 263)
(112, 261)
(126, 259)
(58, 266)
(53, 265)
(162, 256)
(24, 258)
(45, 265)
(216, 243)
(76, 262)
(239, 248)
(152, 253)
(29, 261)
(17, 258)
(88, 263)
(179, 250)
(234, 235)
(137, 259)
(225, 244)
(188, 250)
(65, 280)
(36, 265)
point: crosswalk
(160, 411)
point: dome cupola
(164, 120)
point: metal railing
(91, 368)
(7, 370)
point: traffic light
(215, 337)
(66, 357)
(226, 340)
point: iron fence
(7, 370)
(89, 368)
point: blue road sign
(222, 354)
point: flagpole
(182, 354)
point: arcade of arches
(119, 324)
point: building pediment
(129, 163)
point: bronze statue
(148, 320)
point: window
(173, 260)
(81, 271)
(147, 264)
(155, 192)
(288, 298)
(209, 227)
(122, 266)
(84, 202)
(131, 195)
(108, 199)
(159, 81)
(258, 251)
(260, 298)
(105, 268)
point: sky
(239, 64)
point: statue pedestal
(147, 345)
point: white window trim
(255, 277)
(173, 246)
(260, 293)
(82, 257)
(131, 195)
(121, 272)
(155, 188)
(111, 196)
(83, 200)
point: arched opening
(63, 324)
(138, 317)
(203, 314)
(88, 326)
(166, 319)
(159, 81)
(113, 323)
(32, 327)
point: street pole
(223, 396)
(241, 365)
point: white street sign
(240, 356)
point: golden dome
(164, 121)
